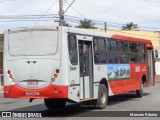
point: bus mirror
(156, 53)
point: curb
(1, 89)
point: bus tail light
(10, 75)
(57, 70)
(55, 75)
(9, 72)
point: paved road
(125, 102)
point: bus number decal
(32, 93)
(72, 68)
(137, 68)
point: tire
(55, 103)
(102, 97)
(139, 92)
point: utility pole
(61, 17)
(105, 26)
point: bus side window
(96, 51)
(142, 55)
(124, 54)
(133, 52)
(112, 48)
(102, 50)
(72, 44)
(99, 50)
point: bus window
(142, 55)
(73, 50)
(133, 52)
(112, 51)
(102, 50)
(99, 50)
(124, 54)
(96, 51)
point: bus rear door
(151, 67)
(86, 69)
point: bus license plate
(32, 82)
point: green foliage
(66, 24)
(86, 24)
(130, 26)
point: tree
(85, 23)
(66, 24)
(130, 26)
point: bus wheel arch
(102, 100)
(53, 104)
(105, 82)
(144, 80)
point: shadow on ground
(75, 110)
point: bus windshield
(33, 42)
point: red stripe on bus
(130, 38)
(124, 86)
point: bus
(64, 64)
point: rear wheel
(139, 92)
(55, 103)
(102, 97)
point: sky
(144, 13)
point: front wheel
(102, 97)
(55, 103)
(139, 92)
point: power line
(116, 13)
(102, 22)
(46, 11)
(113, 11)
(25, 20)
(13, 16)
(77, 21)
(76, 10)
(142, 35)
(69, 5)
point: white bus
(61, 64)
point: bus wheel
(102, 97)
(55, 103)
(139, 92)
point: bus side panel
(131, 83)
(100, 72)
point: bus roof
(83, 31)
(121, 37)
(103, 34)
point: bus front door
(150, 67)
(86, 69)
